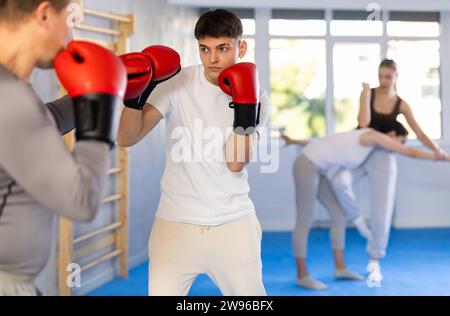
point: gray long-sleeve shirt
(39, 177)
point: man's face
(54, 33)
(220, 53)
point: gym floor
(426, 275)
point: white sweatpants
(381, 170)
(230, 254)
(17, 285)
(310, 185)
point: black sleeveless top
(377, 119)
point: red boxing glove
(240, 81)
(96, 80)
(86, 68)
(139, 71)
(165, 63)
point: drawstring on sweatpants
(204, 228)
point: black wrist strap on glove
(132, 103)
(246, 117)
(96, 117)
(139, 102)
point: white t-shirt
(338, 150)
(197, 187)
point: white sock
(375, 277)
(374, 270)
(373, 266)
(311, 283)
(362, 227)
(346, 274)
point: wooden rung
(107, 15)
(112, 198)
(101, 259)
(98, 30)
(90, 248)
(114, 170)
(106, 44)
(97, 232)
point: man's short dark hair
(218, 23)
(393, 126)
(17, 10)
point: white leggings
(381, 170)
(230, 254)
(311, 185)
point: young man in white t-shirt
(205, 222)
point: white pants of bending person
(230, 254)
(381, 171)
(310, 185)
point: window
(297, 23)
(356, 28)
(284, 27)
(419, 81)
(249, 25)
(413, 24)
(298, 72)
(298, 84)
(250, 56)
(413, 29)
(354, 23)
(298, 76)
(414, 46)
(353, 64)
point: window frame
(262, 53)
